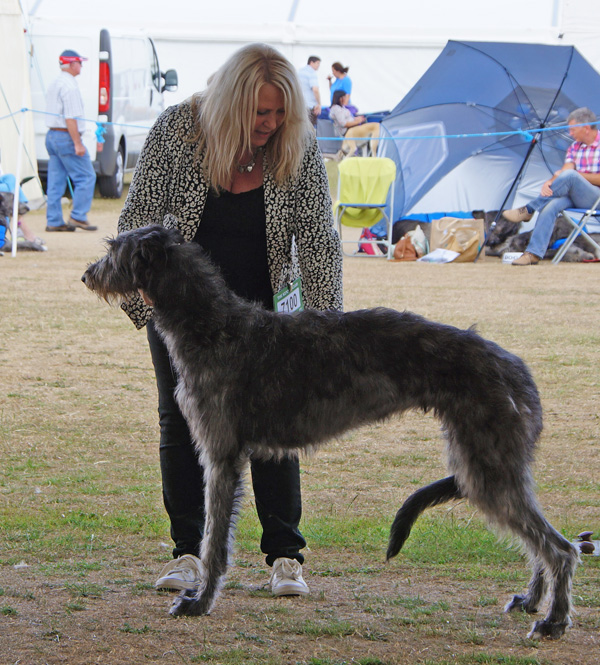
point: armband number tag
(289, 299)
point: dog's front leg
(223, 493)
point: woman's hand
(145, 298)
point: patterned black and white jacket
(168, 188)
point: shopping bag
(465, 236)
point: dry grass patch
(83, 532)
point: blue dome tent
(476, 130)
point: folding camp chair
(326, 136)
(364, 186)
(579, 218)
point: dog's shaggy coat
(252, 381)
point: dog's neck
(200, 303)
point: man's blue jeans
(65, 163)
(570, 190)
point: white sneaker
(180, 574)
(286, 578)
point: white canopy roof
(388, 44)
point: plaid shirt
(585, 157)
(63, 100)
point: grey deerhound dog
(255, 382)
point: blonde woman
(237, 169)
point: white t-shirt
(340, 116)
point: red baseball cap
(70, 56)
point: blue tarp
(380, 229)
(485, 88)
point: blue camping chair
(579, 219)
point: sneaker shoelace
(183, 565)
(287, 568)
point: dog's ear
(149, 257)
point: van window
(130, 69)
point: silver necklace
(247, 168)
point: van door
(137, 99)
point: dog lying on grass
(255, 382)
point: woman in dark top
(237, 169)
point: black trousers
(276, 484)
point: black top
(233, 232)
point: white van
(121, 84)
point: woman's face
(336, 73)
(270, 114)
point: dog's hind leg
(224, 490)
(426, 497)
(536, 591)
(555, 560)
(557, 619)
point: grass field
(83, 532)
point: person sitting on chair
(26, 238)
(575, 185)
(350, 126)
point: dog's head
(498, 229)
(6, 205)
(134, 261)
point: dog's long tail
(426, 497)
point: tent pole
(532, 145)
(15, 215)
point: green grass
(234, 657)
(329, 628)
(8, 611)
(487, 659)
(126, 628)
(359, 661)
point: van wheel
(111, 186)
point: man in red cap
(68, 157)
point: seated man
(575, 185)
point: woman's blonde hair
(225, 114)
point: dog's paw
(190, 603)
(548, 629)
(521, 604)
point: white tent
(17, 152)
(16, 127)
(388, 44)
